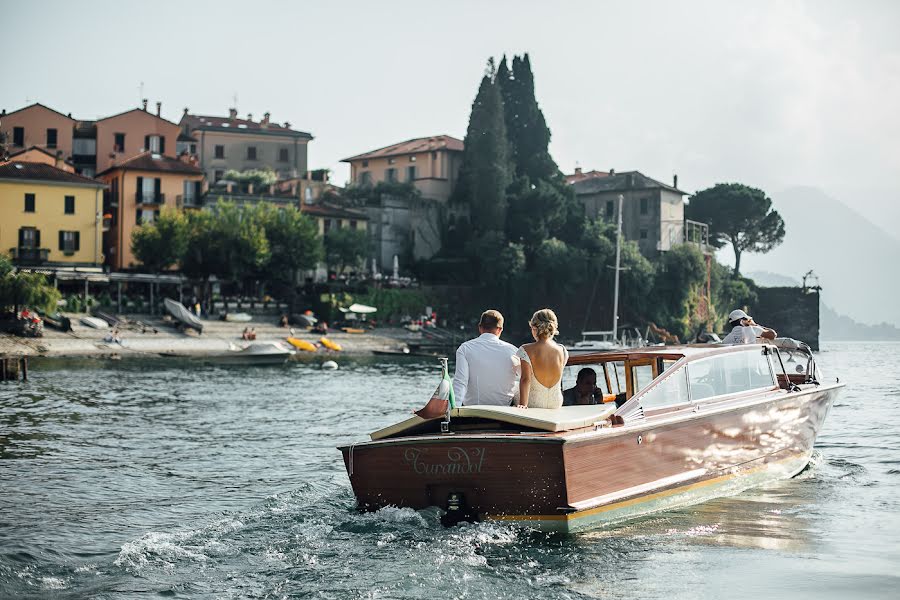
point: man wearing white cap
(745, 331)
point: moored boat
(257, 354)
(183, 315)
(693, 422)
(94, 322)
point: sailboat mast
(615, 327)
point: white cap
(737, 315)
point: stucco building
(48, 216)
(225, 143)
(398, 225)
(139, 188)
(37, 126)
(652, 211)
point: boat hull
(588, 478)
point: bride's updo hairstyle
(545, 322)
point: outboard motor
(456, 510)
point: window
(152, 143)
(119, 142)
(354, 224)
(365, 163)
(70, 205)
(84, 147)
(643, 234)
(641, 376)
(193, 148)
(29, 202)
(220, 151)
(644, 203)
(18, 136)
(729, 374)
(326, 225)
(609, 209)
(219, 174)
(411, 173)
(672, 390)
(69, 241)
(365, 178)
(390, 175)
(251, 152)
(29, 238)
(51, 138)
(88, 172)
(283, 154)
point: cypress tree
(485, 170)
(527, 129)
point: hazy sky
(766, 93)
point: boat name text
(459, 461)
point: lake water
(127, 480)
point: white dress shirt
(743, 335)
(487, 372)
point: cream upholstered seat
(543, 419)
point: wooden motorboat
(183, 315)
(257, 354)
(694, 422)
(57, 321)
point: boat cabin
(639, 383)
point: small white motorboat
(94, 322)
(240, 317)
(259, 353)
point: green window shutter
(62, 240)
(77, 241)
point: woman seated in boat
(542, 364)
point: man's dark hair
(490, 320)
(583, 373)
(736, 322)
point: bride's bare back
(547, 361)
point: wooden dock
(13, 367)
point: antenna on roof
(234, 100)
(140, 92)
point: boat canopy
(542, 419)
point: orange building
(139, 188)
(122, 136)
(37, 125)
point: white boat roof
(544, 419)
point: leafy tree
(257, 177)
(19, 288)
(226, 242)
(678, 287)
(161, 244)
(740, 215)
(345, 247)
(294, 245)
(558, 266)
(485, 171)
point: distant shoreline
(217, 337)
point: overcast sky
(766, 93)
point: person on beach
(487, 369)
(744, 329)
(542, 364)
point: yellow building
(50, 217)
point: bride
(542, 364)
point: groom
(487, 369)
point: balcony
(187, 201)
(149, 198)
(29, 256)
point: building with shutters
(232, 143)
(139, 188)
(37, 126)
(50, 217)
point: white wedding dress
(538, 395)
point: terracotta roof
(579, 175)
(42, 106)
(39, 149)
(615, 182)
(423, 144)
(148, 161)
(25, 171)
(329, 210)
(210, 123)
(140, 110)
